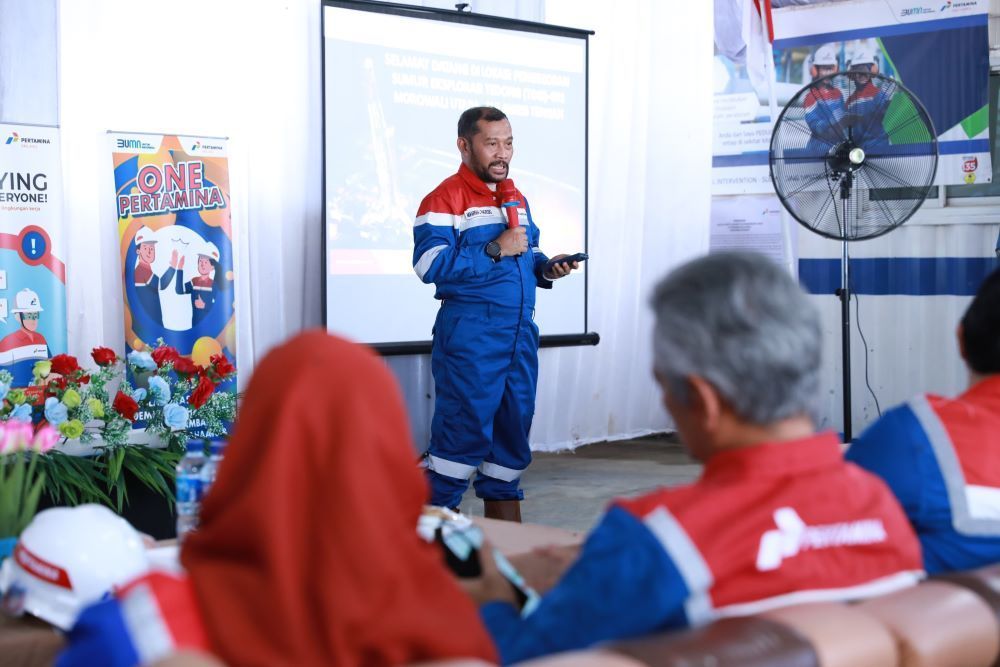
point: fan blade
(870, 164)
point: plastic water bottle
(211, 467)
(189, 487)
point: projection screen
(396, 79)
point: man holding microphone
(475, 239)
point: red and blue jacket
(866, 107)
(825, 111)
(941, 457)
(150, 619)
(453, 225)
(764, 526)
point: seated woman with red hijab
(307, 553)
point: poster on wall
(32, 266)
(751, 223)
(176, 242)
(938, 50)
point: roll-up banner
(176, 243)
(32, 259)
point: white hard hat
(826, 55)
(210, 250)
(144, 235)
(863, 55)
(26, 301)
(68, 558)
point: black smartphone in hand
(578, 257)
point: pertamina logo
(793, 536)
(16, 138)
(958, 6)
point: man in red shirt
(776, 518)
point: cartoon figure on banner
(26, 342)
(147, 284)
(202, 288)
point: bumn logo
(794, 536)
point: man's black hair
(981, 328)
(468, 122)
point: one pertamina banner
(176, 243)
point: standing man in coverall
(485, 353)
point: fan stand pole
(845, 333)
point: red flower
(202, 392)
(165, 354)
(83, 379)
(185, 366)
(64, 364)
(126, 406)
(222, 365)
(104, 356)
(56, 386)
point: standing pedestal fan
(853, 156)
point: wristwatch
(493, 250)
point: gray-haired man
(776, 517)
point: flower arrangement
(21, 481)
(170, 395)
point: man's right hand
(513, 242)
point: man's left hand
(558, 269)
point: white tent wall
(217, 68)
(910, 339)
(28, 90)
(199, 68)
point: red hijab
(307, 552)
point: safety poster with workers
(175, 236)
(32, 259)
(939, 51)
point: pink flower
(15, 436)
(45, 439)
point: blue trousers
(485, 365)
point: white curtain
(201, 68)
(28, 62)
(221, 68)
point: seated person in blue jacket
(941, 456)
(777, 516)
